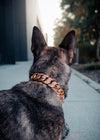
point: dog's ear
(38, 42)
(68, 43)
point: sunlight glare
(49, 11)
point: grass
(83, 67)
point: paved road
(81, 108)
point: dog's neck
(45, 79)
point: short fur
(31, 110)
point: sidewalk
(81, 107)
(13, 74)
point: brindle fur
(31, 110)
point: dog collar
(45, 79)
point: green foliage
(84, 16)
(80, 15)
(86, 53)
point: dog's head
(53, 61)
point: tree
(97, 12)
(84, 17)
(60, 31)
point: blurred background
(84, 17)
(17, 18)
(54, 18)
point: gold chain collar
(50, 82)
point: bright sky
(49, 11)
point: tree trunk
(98, 41)
(98, 50)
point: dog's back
(24, 117)
(31, 110)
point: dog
(32, 110)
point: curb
(87, 80)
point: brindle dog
(32, 110)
